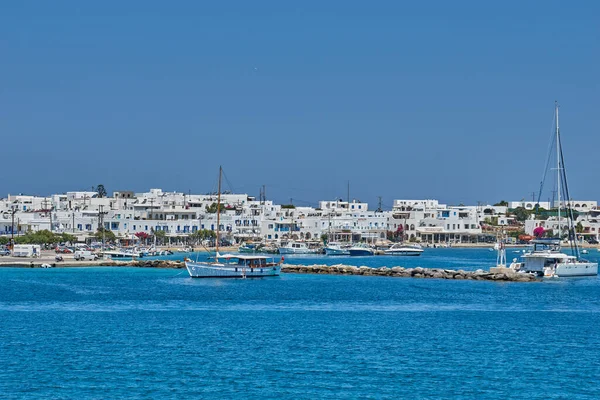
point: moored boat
(234, 266)
(361, 249)
(293, 247)
(400, 249)
(547, 258)
(337, 249)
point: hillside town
(175, 216)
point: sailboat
(547, 257)
(232, 265)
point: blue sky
(437, 99)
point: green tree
(101, 191)
(212, 209)
(108, 235)
(502, 203)
(324, 238)
(521, 214)
(65, 237)
(579, 227)
(160, 235)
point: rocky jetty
(144, 264)
(101, 263)
(418, 272)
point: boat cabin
(545, 253)
(247, 261)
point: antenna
(348, 192)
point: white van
(84, 255)
(27, 250)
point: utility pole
(49, 211)
(73, 211)
(379, 209)
(12, 229)
(348, 194)
(533, 197)
(101, 214)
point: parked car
(64, 250)
(592, 241)
(4, 252)
(84, 255)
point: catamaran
(547, 258)
(229, 265)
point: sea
(145, 333)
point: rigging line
(549, 155)
(572, 237)
(227, 181)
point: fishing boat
(547, 257)
(248, 247)
(232, 266)
(361, 249)
(400, 249)
(235, 266)
(293, 247)
(337, 249)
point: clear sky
(436, 99)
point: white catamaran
(229, 265)
(546, 258)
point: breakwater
(504, 274)
(418, 272)
(98, 263)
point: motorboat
(400, 249)
(337, 249)
(293, 247)
(361, 249)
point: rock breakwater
(418, 272)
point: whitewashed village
(178, 218)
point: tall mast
(219, 209)
(558, 167)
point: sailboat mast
(219, 209)
(558, 168)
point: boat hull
(411, 253)
(203, 270)
(360, 252)
(576, 269)
(337, 252)
(285, 250)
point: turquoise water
(155, 333)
